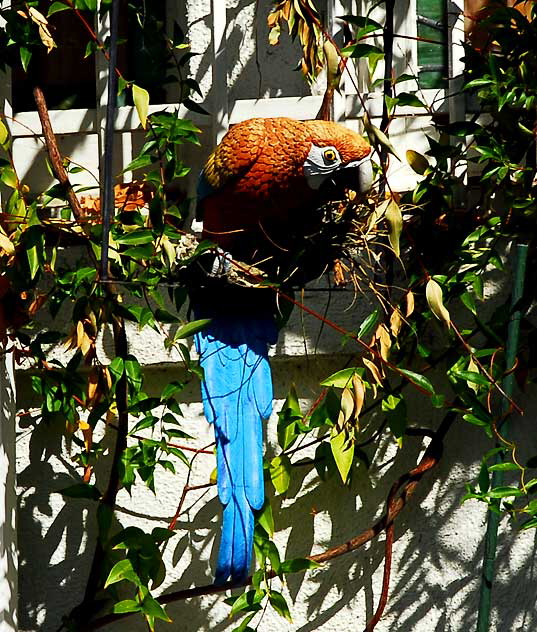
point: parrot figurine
(257, 195)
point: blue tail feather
(237, 395)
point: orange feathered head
(262, 182)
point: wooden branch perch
(54, 153)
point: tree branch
(54, 153)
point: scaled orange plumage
(256, 182)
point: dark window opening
(66, 78)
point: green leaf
(33, 261)
(194, 107)
(360, 21)
(248, 601)
(127, 605)
(340, 379)
(56, 7)
(140, 161)
(8, 176)
(141, 102)
(152, 608)
(136, 237)
(25, 55)
(529, 524)
(123, 570)
(81, 490)
(407, 98)
(134, 373)
(477, 421)
(504, 492)
(288, 417)
(171, 389)
(480, 81)
(483, 478)
(368, 324)
(244, 627)
(265, 518)
(417, 161)
(160, 534)
(504, 467)
(359, 51)
(117, 367)
(470, 376)
(192, 328)
(394, 407)
(280, 473)
(419, 380)
(342, 446)
(277, 601)
(298, 565)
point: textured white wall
(438, 548)
(437, 553)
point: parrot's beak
(358, 174)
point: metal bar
(107, 179)
(493, 518)
(434, 24)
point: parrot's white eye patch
(320, 163)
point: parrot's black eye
(330, 156)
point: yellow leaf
(46, 38)
(383, 335)
(333, 74)
(378, 137)
(359, 395)
(213, 477)
(85, 344)
(141, 102)
(377, 215)
(93, 382)
(395, 223)
(396, 322)
(37, 17)
(409, 303)
(417, 161)
(347, 407)
(80, 333)
(6, 244)
(107, 376)
(4, 134)
(435, 300)
(472, 366)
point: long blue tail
(237, 396)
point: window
(432, 49)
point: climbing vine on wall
(450, 231)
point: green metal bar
(493, 518)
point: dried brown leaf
(374, 370)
